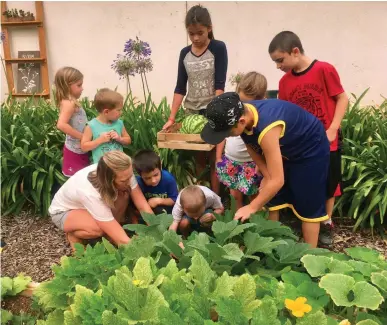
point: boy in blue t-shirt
(158, 185)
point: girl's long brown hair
(103, 178)
(201, 16)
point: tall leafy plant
(364, 164)
(31, 148)
(30, 154)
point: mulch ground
(33, 244)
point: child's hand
(244, 213)
(154, 202)
(331, 135)
(104, 137)
(114, 135)
(206, 218)
(168, 125)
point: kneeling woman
(93, 202)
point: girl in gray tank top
(72, 119)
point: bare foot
(73, 240)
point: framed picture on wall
(28, 74)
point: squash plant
(242, 274)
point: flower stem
(146, 82)
(351, 314)
(143, 87)
(128, 87)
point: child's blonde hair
(107, 99)
(192, 198)
(253, 85)
(64, 78)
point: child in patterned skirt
(235, 168)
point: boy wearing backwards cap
(291, 149)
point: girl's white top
(79, 193)
(235, 149)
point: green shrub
(31, 153)
(364, 164)
(31, 148)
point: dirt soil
(33, 244)
(17, 305)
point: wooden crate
(174, 140)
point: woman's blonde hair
(253, 85)
(64, 78)
(103, 178)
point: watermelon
(193, 124)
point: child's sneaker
(325, 238)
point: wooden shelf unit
(9, 60)
(21, 23)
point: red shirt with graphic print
(314, 89)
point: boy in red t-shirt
(316, 87)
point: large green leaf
(142, 272)
(364, 254)
(230, 311)
(317, 318)
(344, 291)
(255, 243)
(223, 286)
(367, 322)
(266, 313)
(109, 318)
(320, 265)
(380, 280)
(244, 292)
(201, 271)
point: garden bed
(34, 244)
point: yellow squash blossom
(298, 307)
(345, 322)
(137, 282)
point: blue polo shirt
(167, 188)
(303, 135)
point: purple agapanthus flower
(144, 65)
(137, 48)
(124, 66)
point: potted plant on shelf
(28, 16)
(14, 15)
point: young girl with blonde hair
(72, 118)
